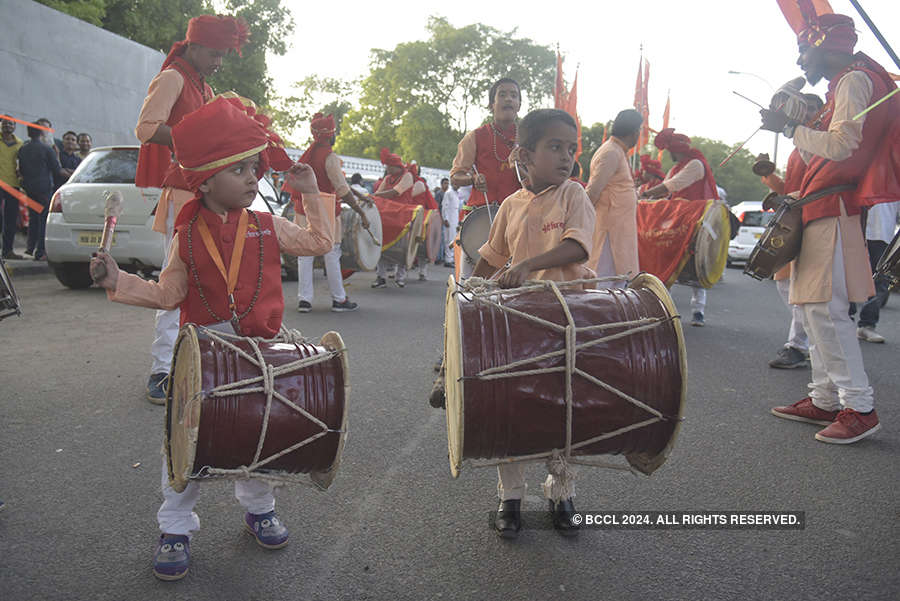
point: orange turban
(220, 32)
(390, 159)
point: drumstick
(487, 202)
(111, 213)
(748, 99)
(735, 151)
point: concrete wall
(81, 77)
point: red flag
(794, 16)
(605, 132)
(572, 109)
(659, 156)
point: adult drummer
(611, 190)
(396, 185)
(482, 158)
(689, 178)
(832, 269)
(178, 89)
(330, 178)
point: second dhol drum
(9, 302)
(245, 407)
(889, 263)
(403, 250)
(360, 248)
(709, 247)
(475, 229)
(509, 356)
(430, 237)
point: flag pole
(877, 33)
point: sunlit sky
(691, 45)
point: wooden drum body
(709, 248)
(522, 413)
(9, 302)
(360, 249)
(218, 419)
(403, 251)
(778, 245)
(430, 239)
(889, 263)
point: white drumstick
(111, 212)
(487, 202)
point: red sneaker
(849, 426)
(805, 411)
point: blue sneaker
(267, 529)
(156, 388)
(172, 558)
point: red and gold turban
(322, 127)
(829, 32)
(390, 159)
(219, 32)
(667, 139)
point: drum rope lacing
(265, 383)
(560, 483)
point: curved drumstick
(111, 213)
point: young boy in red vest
(224, 266)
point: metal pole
(775, 157)
(877, 33)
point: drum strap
(237, 252)
(799, 202)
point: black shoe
(789, 358)
(449, 264)
(303, 307)
(30, 252)
(347, 305)
(12, 256)
(697, 320)
(562, 517)
(157, 386)
(509, 518)
(437, 398)
(400, 283)
(379, 283)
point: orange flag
(645, 108)
(659, 156)
(559, 89)
(572, 109)
(794, 16)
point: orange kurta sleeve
(465, 155)
(167, 294)
(162, 94)
(336, 175)
(315, 239)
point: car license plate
(757, 236)
(92, 238)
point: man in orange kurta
(611, 190)
(178, 89)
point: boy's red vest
(265, 317)
(822, 173)
(156, 168)
(501, 176)
(315, 157)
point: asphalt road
(80, 517)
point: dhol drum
(709, 248)
(360, 248)
(889, 263)
(246, 407)
(430, 240)
(779, 244)
(9, 302)
(403, 251)
(509, 359)
(475, 229)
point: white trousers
(511, 481)
(423, 267)
(167, 322)
(176, 514)
(605, 265)
(797, 337)
(698, 300)
(381, 270)
(839, 378)
(332, 259)
(466, 268)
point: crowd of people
(207, 154)
(37, 167)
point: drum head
(475, 229)
(9, 302)
(333, 342)
(183, 402)
(361, 249)
(889, 263)
(453, 386)
(643, 462)
(430, 246)
(711, 245)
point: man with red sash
(795, 352)
(423, 197)
(224, 272)
(690, 178)
(482, 158)
(178, 89)
(397, 212)
(841, 147)
(330, 177)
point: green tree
(442, 79)
(591, 138)
(91, 11)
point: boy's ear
(524, 157)
(204, 187)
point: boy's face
(234, 187)
(550, 163)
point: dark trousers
(37, 224)
(9, 217)
(868, 315)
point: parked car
(753, 223)
(75, 219)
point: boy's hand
(302, 179)
(515, 276)
(480, 182)
(104, 271)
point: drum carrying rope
(265, 383)
(559, 484)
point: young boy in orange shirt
(545, 232)
(224, 269)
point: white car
(753, 223)
(75, 219)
